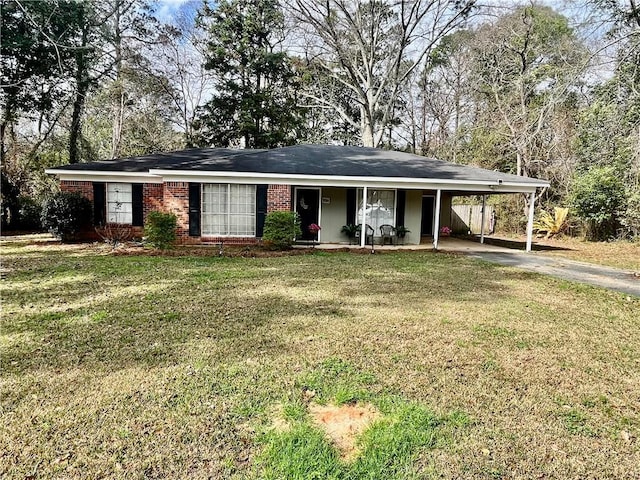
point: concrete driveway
(625, 281)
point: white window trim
(359, 194)
(108, 210)
(228, 212)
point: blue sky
(166, 10)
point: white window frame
(370, 191)
(114, 209)
(228, 212)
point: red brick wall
(83, 188)
(152, 194)
(230, 240)
(176, 201)
(173, 197)
(86, 190)
(278, 198)
(153, 198)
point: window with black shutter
(261, 208)
(99, 203)
(137, 201)
(194, 209)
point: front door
(308, 208)
(427, 215)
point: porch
(445, 244)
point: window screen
(228, 210)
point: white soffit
(159, 176)
(350, 182)
(98, 176)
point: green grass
(389, 447)
(170, 367)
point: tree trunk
(367, 134)
(82, 86)
(118, 94)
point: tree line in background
(523, 89)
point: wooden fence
(465, 218)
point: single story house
(223, 195)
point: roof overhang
(475, 186)
(104, 176)
(162, 175)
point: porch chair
(368, 232)
(387, 232)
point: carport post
(484, 201)
(436, 224)
(363, 219)
(532, 200)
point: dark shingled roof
(320, 160)
(180, 160)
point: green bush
(160, 229)
(65, 214)
(631, 215)
(281, 229)
(29, 214)
(598, 197)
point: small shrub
(65, 214)
(115, 233)
(281, 229)
(552, 225)
(160, 229)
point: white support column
(532, 200)
(363, 218)
(484, 202)
(436, 224)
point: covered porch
(445, 244)
(420, 212)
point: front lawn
(206, 367)
(620, 254)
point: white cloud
(166, 9)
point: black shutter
(99, 203)
(261, 208)
(402, 201)
(351, 206)
(194, 209)
(137, 217)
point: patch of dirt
(278, 422)
(343, 424)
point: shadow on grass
(128, 311)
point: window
(229, 210)
(380, 208)
(119, 203)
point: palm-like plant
(552, 224)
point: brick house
(223, 195)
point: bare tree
(528, 61)
(371, 48)
(178, 55)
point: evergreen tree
(254, 100)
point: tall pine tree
(254, 103)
